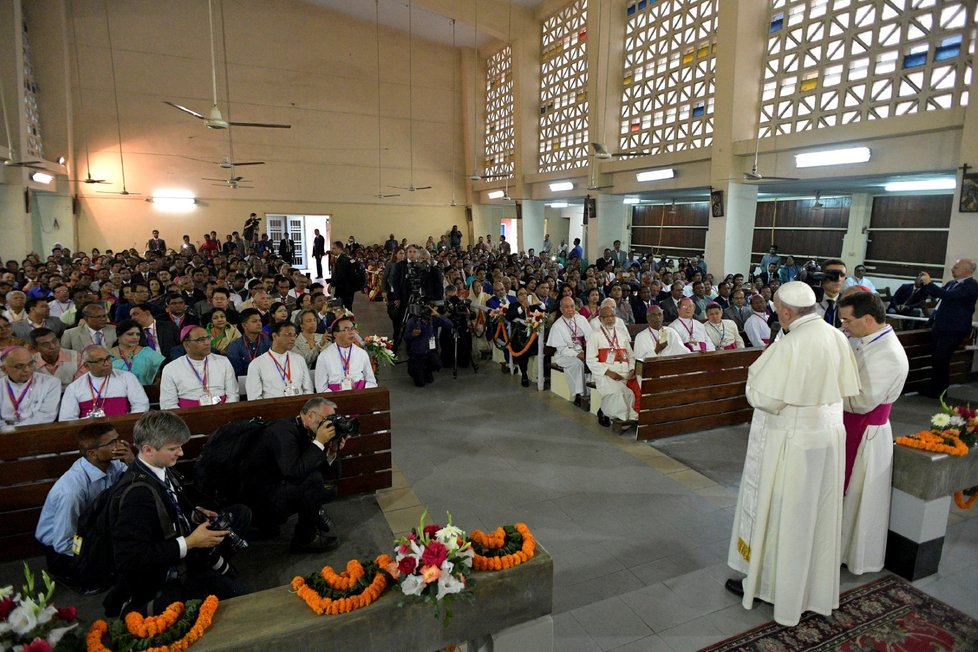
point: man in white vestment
(279, 371)
(756, 327)
(596, 321)
(103, 391)
(657, 340)
(883, 368)
(343, 365)
(721, 332)
(612, 364)
(28, 397)
(691, 333)
(569, 336)
(788, 525)
(198, 378)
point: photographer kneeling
(419, 334)
(164, 548)
(294, 470)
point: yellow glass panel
(808, 84)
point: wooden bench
(33, 457)
(683, 394)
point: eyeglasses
(111, 442)
(198, 340)
(348, 329)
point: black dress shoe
(735, 586)
(603, 420)
(577, 400)
(525, 382)
(321, 542)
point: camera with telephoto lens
(224, 521)
(345, 426)
(457, 310)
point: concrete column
(857, 236)
(53, 222)
(531, 226)
(728, 241)
(15, 222)
(612, 224)
(916, 538)
(962, 239)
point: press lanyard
(17, 400)
(654, 334)
(345, 362)
(97, 399)
(888, 330)
(286, 371)
(203, 381)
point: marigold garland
(196, 618)
(505, 339)
(332, 593)
(965, 499)
(503, 548)
(946, 442)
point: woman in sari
(221, 331)
(128, 355)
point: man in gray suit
(38, 316)
(156, 243)
(95, 330)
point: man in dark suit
(641, 304)
(670, 305)
(738, 312)
(286, 249)
(951, 323)
(342, 280)
(318, 251)
(908, 299)
(156, 243)
(163, 546)
(159, 334)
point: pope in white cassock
(656, 340)
(28, 397)
(691, 333)
(569, 336)
(612, 364)
(198, 378)
(343, 365)
(883, 368)
(788, 525)
(279, 372)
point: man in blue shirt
(577, 251)
(252, 343)
(105, 457)
(952, 321)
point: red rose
(407, 565)
(67, 613)
(38, 645)
(6, 606)
(434, 554)
(429, 530)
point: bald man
(27, 397)
(612, 363)
(568, 336)
(952, 321)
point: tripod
(456, 336)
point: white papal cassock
(113, 395)
(36, 401)
(272, 375)
(724, 335)
(187, 382)
(787, 529)
(569, 337)
(883, 368)
(692, 335)
(612, 350)
(335, 364)
(647, 341)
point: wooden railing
(33, 457)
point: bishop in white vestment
(691, 332)
(27, 397)
(187, 382)
(883, 368)
(612, 364)
(569, 336)
(657, 340)
(103, 391)
(338, 365)
(721, 332)
(756, 327)
(787, 528)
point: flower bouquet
(954, 430)
(379, 348)
(28, 620)
(534, 322)
(433, 564)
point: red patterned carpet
(887, 615)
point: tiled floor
(638, 538)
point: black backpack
(359, 275)
(219, 470)
(95, 564)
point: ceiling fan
(603, 154)
(214, 119)
(818, 205)
(233, 182)
(411, 187)
(226, 163)
(81, 109)
(118, 121)
(11, 161)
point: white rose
(412, 585)
(22, 619)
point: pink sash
(731, 346)
(691, 347)
(856, 425)
(337, 387)
(189, 402)
(113, 406)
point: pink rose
(434, 554)
(38, 645)
(67, 613)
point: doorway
(302, 229)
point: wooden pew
(33, 457)
(683, 394)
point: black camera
(225, 521)
(345, 426)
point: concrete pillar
(857, 236)
(728, 241)
(962, 239)
(916, 538)
(531, 226)
(612, 223)
(53, 222)
(15, 222)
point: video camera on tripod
(424, 289)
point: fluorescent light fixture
(174, 201)
(833, 157)
(559, 186)
(558, 204)
(61, 160)
(630, 200)
(496, 194)
(42, 177)
(656, 175)
(939, 183)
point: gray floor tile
(701, 589)
(692, 635)
(653, 643)
(569, 635)
(659, 607)
(595, 590)
(610, 623)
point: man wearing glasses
(294, 471)
(343, 365)
(26, 397)
(94, 331)
(198, 378)
(103, 391)
(105, 457)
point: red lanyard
(97, 399)
(345, 362)
(17, 400)
(286, 371)
(203, 381)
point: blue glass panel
(777, 22)
(914, 60)
(631, 10)
(698, 111)
(949, 48)
(642, 4)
